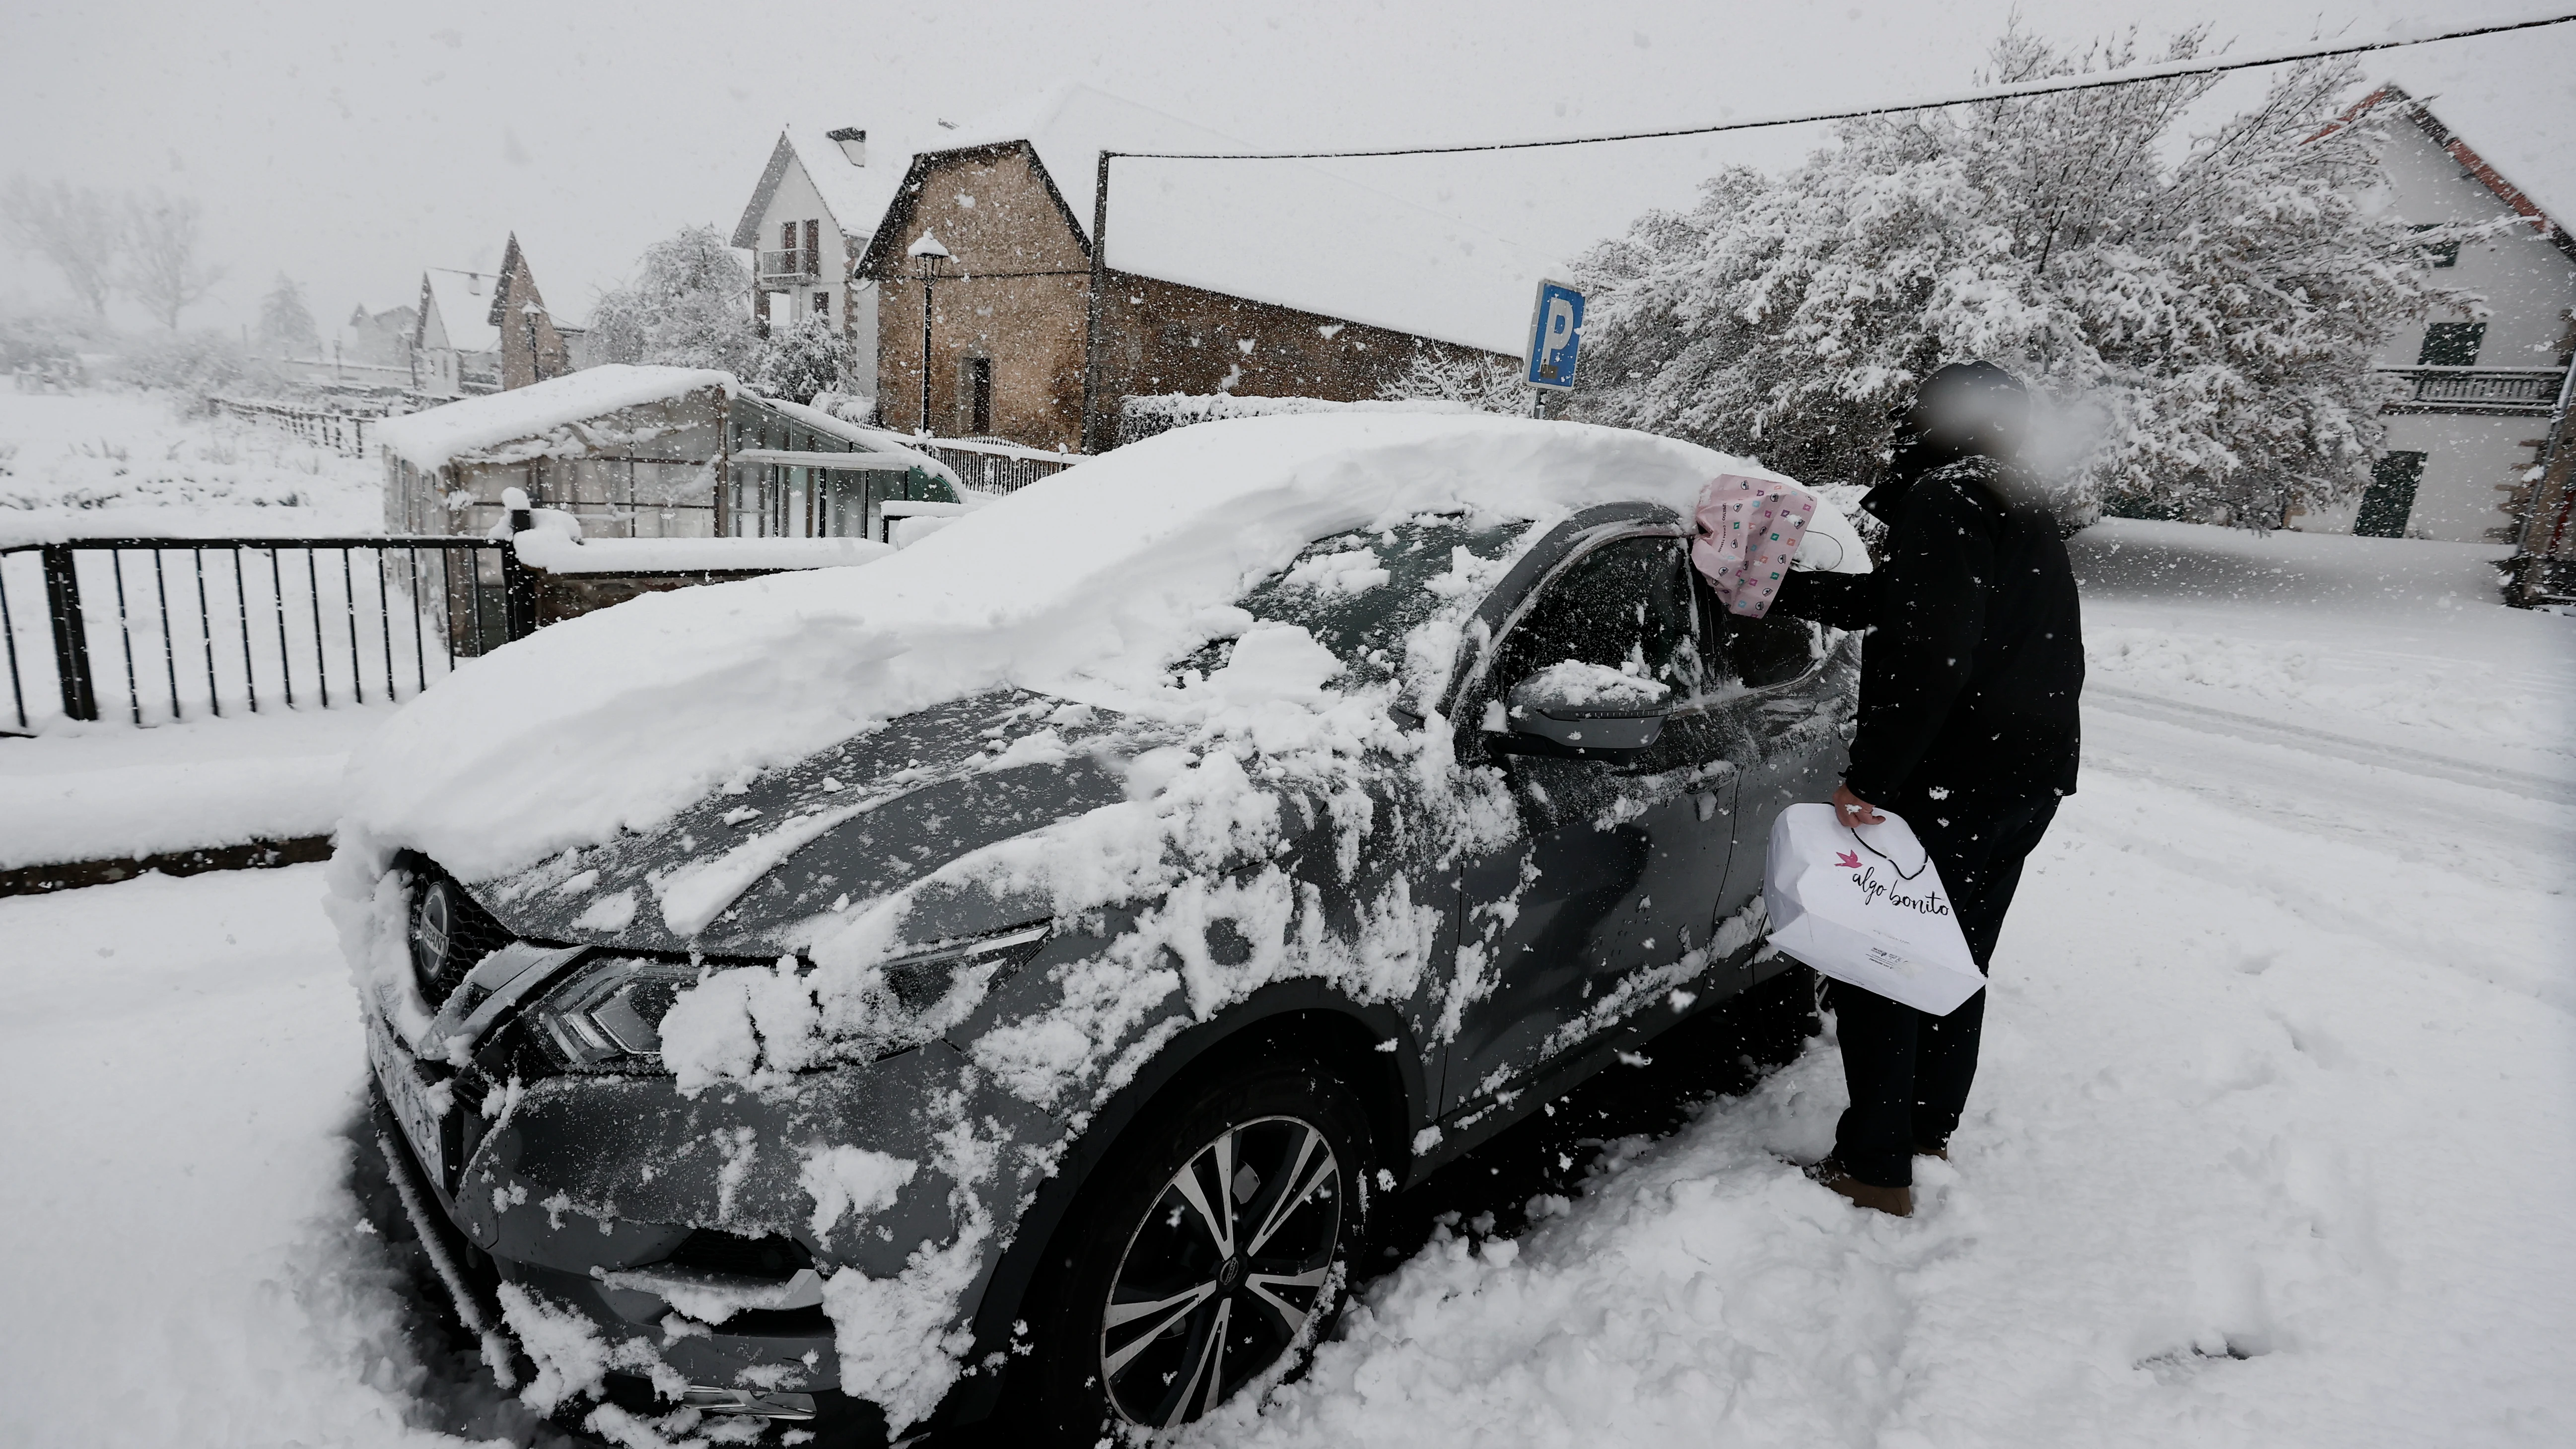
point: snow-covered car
(1003, 982)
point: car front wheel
(1215, 1245)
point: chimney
(854, 144)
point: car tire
(1138, 1284)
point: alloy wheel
(1232, 1260)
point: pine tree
(689, 306)
(285, 324)
(2204, 328)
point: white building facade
(457, 345)
(809, 221)
(2469, 429)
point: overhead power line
(2054, 85)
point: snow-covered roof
(1084, 584)
(1271, 231)
(855, 195)
(463, 303)
(2473, 165)
(434, 436)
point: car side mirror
(1587, 707)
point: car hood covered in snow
(1082, 587)
(753, 867)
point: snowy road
(2273, 1144)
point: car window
(1626, 605)
(1757, 652)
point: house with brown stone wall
(532, 347)
(1251, 278)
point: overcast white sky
(349, 147)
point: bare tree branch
(73, 227)
(163, 270)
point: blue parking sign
(1556, 335)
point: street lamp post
(929, 252)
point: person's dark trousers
(1909, 1071)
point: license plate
(413, 1102)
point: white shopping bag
(1865, 905)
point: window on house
(814, 247)
(823, 304)
(787, 241)
(2452, 344)
(2442, 253)
(2390, 500)
(979, 396)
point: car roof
(620, 719)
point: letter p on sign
(1556, 337)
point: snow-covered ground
(108, 790)
(130, 464)
(108, 464)
(2272, 1146)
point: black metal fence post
(71, 634)
(519, 595)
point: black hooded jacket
(1975, 656)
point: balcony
(795, 267)
(2500, 391)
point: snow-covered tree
(802, 361)
(1489, 384)
(75, 228)
(285, 324)
(688, 306)
(2202, 327)
(164, 268)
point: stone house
(1267, 278)
(533, 347)
(810, 218)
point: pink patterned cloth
(1749, 529)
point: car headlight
(608, 1016)
(612, 1011)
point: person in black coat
(1969, 679)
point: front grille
(716, 1252)
(472, 934)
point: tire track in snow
(2313, 741)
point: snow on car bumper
(581, 1188)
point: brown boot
(1897, 1202)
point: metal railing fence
(2499, 389)
(790, 265)
(154, 630)
(993, 467)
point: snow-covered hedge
(1144, 416)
